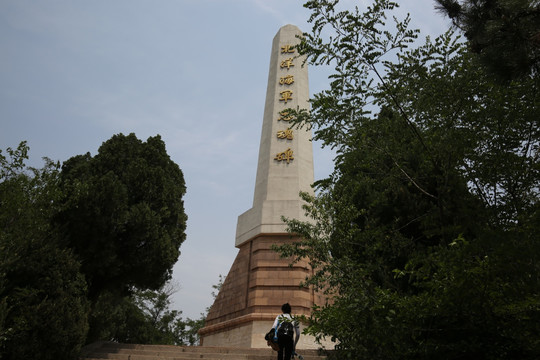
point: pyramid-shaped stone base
(258, 283)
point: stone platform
(258, 283)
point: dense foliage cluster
(123, 213)
(426, 235)
(78, 242)
(505, 33)
(43, 305)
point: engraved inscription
(287, 156)
(285, 134)
(287, 63)
(286, 96)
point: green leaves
(124, 213)
(425, 235)
(15, 164)
(43, 306)
(504, 33)
(75, 242)
(354, 43)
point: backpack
(269, 337)
(285, 328)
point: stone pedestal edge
(239, 321)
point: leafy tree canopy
(76, 242)
(43, 304)
(426, 233)
(505, 33)
(145, 317)
(123, 213)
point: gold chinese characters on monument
(287, 63)
(286, 80)
(287, 49)
(286, 96)
(284, 116)
(285, 134)
(287, 156)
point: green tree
(113, 223)
(169, 325)
(425, 235)
(145, 317)
(43, 305)
(122, 214)
(505, 33)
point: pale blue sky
(73, 73)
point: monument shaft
(285, 164)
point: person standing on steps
(285, 328)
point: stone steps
(116, 351)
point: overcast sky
(73, 73)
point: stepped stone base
(251, 335)
(244, 334)
(109, 350)
(258, 283)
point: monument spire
(285, 164)
(259, 281)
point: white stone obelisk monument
(285, 155)
(259, 282)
